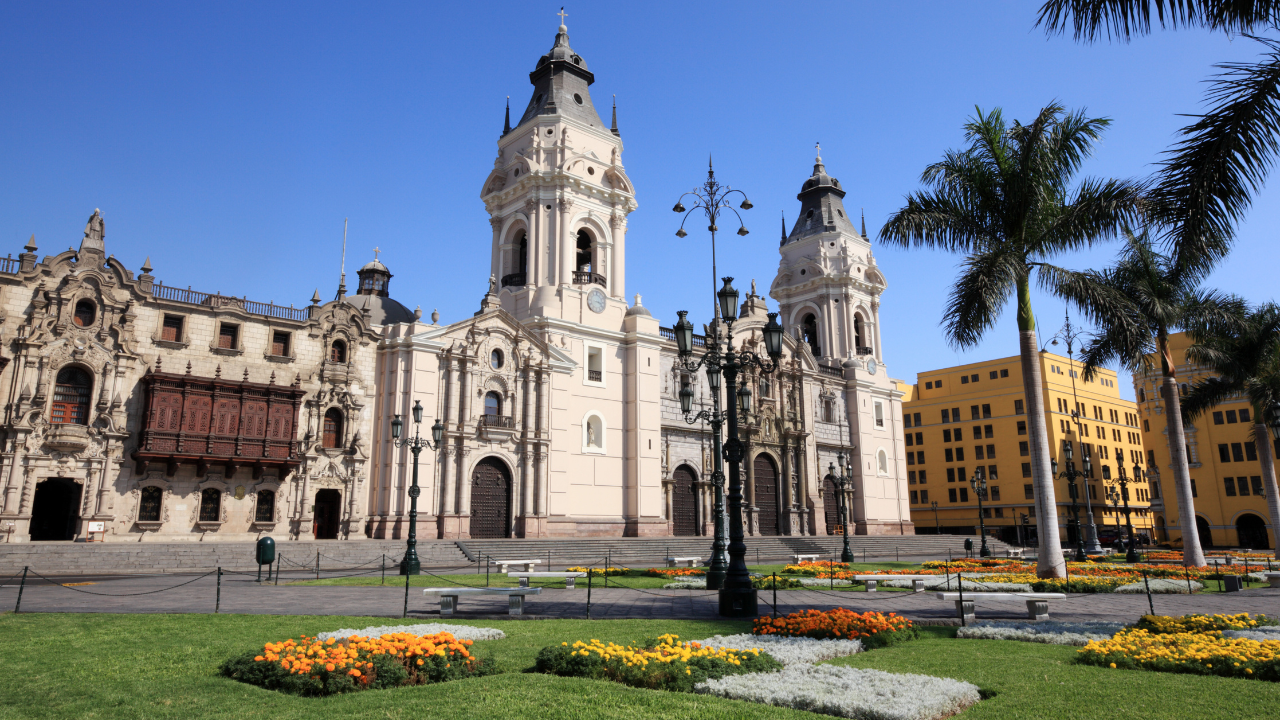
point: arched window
(85, 313)
(809, 333)
(523, 261)
(492, 403)
(585, 252)
(210, 504)
(338, 351)
(332, 428)
(71, 397)
(266, 510)
(882, 460)
(858, 341)
(149, 504)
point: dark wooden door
(767, 494)
(328, 514)
(491, 500)
(830, 505)
(684, 502)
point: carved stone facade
(233, 445)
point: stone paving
(242, 594)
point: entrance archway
(830, 506)
(328, 514)
(1162, 534)
(1252, 532)
(1205, 533)
(684, 502)
(766, 475)
(54, 509)
(491, 499)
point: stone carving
(94, 232)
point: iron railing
(833, 372)
(595, 375)
(669, 334)
(513, 279)
(499, 421)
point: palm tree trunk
(1192, 553)
(1049, 562)
(1262, 438)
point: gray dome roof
(821, 207)
(374, 265)
(382, 310)
(560, 83)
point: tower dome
(374, 294)
(560, 82)
(821, 206)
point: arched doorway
(830, 506)
(1162, 534)
(328, 514)
(54, 509)
(809, 334)
(1252, 532)
(1206, 534)
(684, 502)
(766, 474)
(491, 499)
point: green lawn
(165, 666)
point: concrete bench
(504, 565)
(917, 581)
(568, 577)
(449, 597)
(688, 561)
(1037, 603)
(797, 559)
(1014, 553)
(1273, 578)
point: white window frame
(587, 347)
(604, 429)
(877, 413)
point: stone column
(463, 487)
(568, 247)
(447, 502)
(785, 480)
(526, 447)
(496, 261)
(617, 267)
(541, 490)
(752, 520)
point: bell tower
(558, 199)
(828, 286)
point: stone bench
(917, 581)
(568, 577)
(1273, 578)
(797, 559)
(504, 565)
(1037, 603)
(688, 561)
(449, 597)
(1014, 553)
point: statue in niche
(591, 435)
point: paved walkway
(241, 594)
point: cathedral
(136, 411)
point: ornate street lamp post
(1070, 334)
(409, 565)
(937, 526)
(737, 596)
(1070, 475)
(1026, 529)
(979, 484)
(842, 482)
(1131, 555)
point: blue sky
(228, 141)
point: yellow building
(1226, 477)
(972, 419)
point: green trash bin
(266, 553)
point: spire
(31, 244)
(864, 222)
(614, 129)
(784, 228)
(818, 167)
(342, 278)
(146, 265)
(506, 125)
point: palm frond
(1090, 20)
(986, 282)
(1204, 395)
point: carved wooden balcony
(204, 421)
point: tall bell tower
(558, 200)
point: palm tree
(1244, 353)
(1006, 202)
(1207, 181)
(1136, 305)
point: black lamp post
(1131, 554)
(737, 596)
(1113, 497)
(937, 526)
(409, 565)
(842, 482)
(1026, 529)
(1071, 334)
(1070, 475)
(979, 484)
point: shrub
(770, 582)
(813, 568)
(1195, 623)
(599, 572)
(1201, 653)
(872, 628)
(1078, 584)
(661, 664)
(309, 666)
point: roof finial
(342, 279)
(31, 244)
(506, 124)
(784, 227)
(375, 254)
(864, 222)
(614, 129)
(562, 15)
(817, 148)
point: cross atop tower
(375, 253)
(562, 15)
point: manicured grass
(166, 666)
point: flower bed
(944, 583)
(662, 664)
(969, 563)
(771, 582)
(1052, 633)
(1259, 633)
(309, 666)
(675, 572)
(1160, 624)
(872, 628)
(1202, 653)
(850, 692)
(827, 582)
(460, 632)
(599, 572)
(1162, 586)
(691, 584)
(813, 568)
(787, 650)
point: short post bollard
(1187, 574)
(486, 572)
(317, 564)
(384, 568)
(960, 584)
(17, 607)
(775, 596)
(588, 593)
(278, 559)
(1150, 605)
(217, 599)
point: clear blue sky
(228, 141)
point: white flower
(943, 583)
(686, 585)
(849, 692)
(1050, 632)
(461, 632)
(787, 650)
(1268, 632)
(1163, 586)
